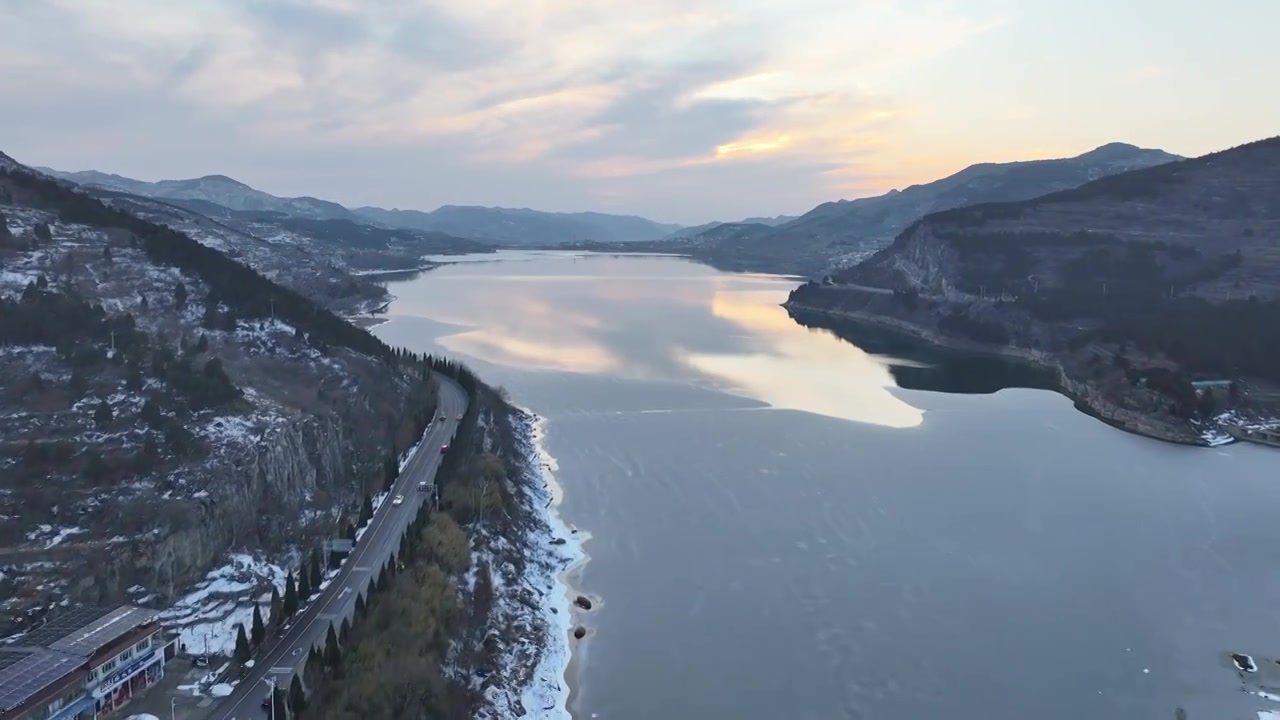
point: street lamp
(271, 681)
(173, 701)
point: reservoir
(785, 525)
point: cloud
(433, 101)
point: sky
(682, 111)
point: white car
(397, 500)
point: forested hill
(1174, 267)
(246, 292)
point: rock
(583, 602)
(579, 632)
(558, 541)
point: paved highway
(379, 541)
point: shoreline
(1085, 402)
(537, 602)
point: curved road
(380, 540)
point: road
(337, 600)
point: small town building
(39, 684)
(104, 657)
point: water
(779, 531)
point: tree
(348, 530)
(297, 697)
(366, 511)
(280, 706)
(277, 606)
(259, 631)
(42, 232)
(332, 653)
(180, 295)
(106, 253)
(304, 585)
(447, 543)
(290, 597)
(243, 653)
(102, 416)
(316, 576)
(79, 383)
(344, 634)
(96, 469)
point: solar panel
(84, 631)
(62, 624)
(89, 638)
(22, 678)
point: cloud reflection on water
(656, 319)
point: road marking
(280, 670)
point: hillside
(216, 189)
(326, 259)
(523, 227)
(1132, 285)
(162, 404)
(838, 234)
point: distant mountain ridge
(838, 234)
(522, 226)
(501, 226)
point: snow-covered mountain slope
(156, 398)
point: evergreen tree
(304, 585)
(344, 635)
(316, 576)
(348, 530)
(290, 604)
(106, 254)
(180, 295)
(242, 653)
(259, 631)
(332, 653)
(366, 511)
(360, 606)
(79, 383)
(297, 698)
(102, 416)
(277, 606)
(280, 709)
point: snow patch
(206, 618)
(551, 550)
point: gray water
(777, 531)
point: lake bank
(1086, 397)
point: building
(116, 653)
(39, 684)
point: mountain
(1128, 287)
(837, 234)
(696, 230)
(325, 259)
(161, 403)
(216, 189)
(208, 195)
(522, 227)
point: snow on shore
(536, 602)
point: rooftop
(84, 631)
(26, 672)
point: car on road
(422, 485)
(459, 418)
(398, 500)
(444, 449)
